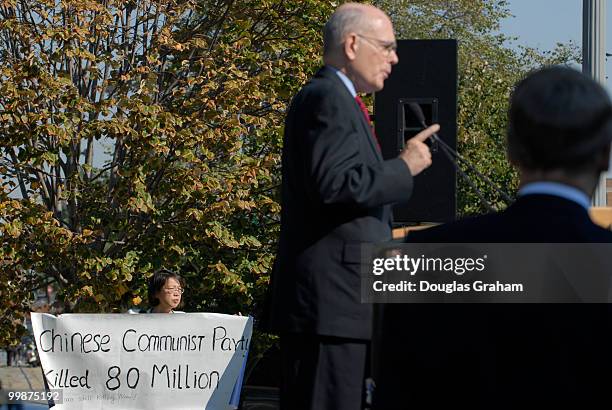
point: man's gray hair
(344, 20)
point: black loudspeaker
(425, 75)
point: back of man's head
(559, 118)
(348, 17)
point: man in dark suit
(336, 194)
(516, 355)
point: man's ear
(351, 46)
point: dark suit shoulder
(465, 230)
(323, 88)
(601, 234)
(533, 218)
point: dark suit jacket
(493, 355)
(336, 194)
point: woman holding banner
(165, 294)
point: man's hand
(416, 153)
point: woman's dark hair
(157, 282)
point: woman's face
(170, 295)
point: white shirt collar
(347, 82)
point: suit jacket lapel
(327, 72)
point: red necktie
(366, 114)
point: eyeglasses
(387, 47)
(174, 290)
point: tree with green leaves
(139, 135)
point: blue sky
(544, 23)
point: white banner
(144, 361)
